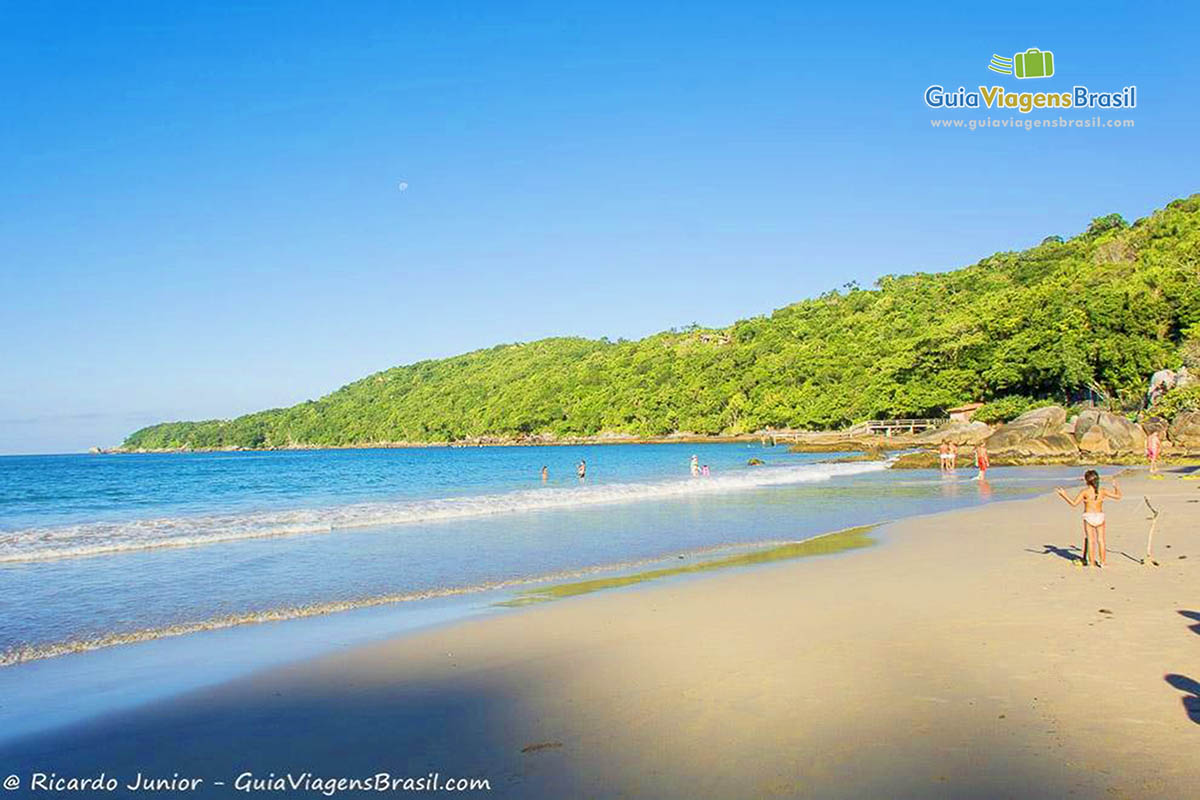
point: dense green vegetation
(1105, 308)
(1185, 399)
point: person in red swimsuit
(981, 460)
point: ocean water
(199, 566)
(97, 551)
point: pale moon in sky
(403, 186)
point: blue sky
(201, 216)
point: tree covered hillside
(1106, 307)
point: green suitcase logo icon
(1033, 63)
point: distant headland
(1066, 322)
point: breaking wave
(102, 538)
(24, 652)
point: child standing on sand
(1092, 497)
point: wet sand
(968, 655)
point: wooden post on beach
(1149, 559)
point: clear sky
(201, 212)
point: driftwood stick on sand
(1149, 559)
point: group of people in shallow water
(948, 458)
(698, 470)
(1092, 496)
(580, 471)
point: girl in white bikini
(1092, 497)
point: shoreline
(922, 456)
(922, 459)
(742, 554)
(612, 439)
(971, 658)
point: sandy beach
(967, 655)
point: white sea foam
(100, 538)
(24, 652)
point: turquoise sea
(124, 577)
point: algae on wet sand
(827, 544)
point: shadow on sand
(1073, 553)
(1190, 688)
(1191, 698)
(500, 726)
(1069, 553)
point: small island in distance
(1100, 311)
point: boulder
(1102, 433)
(1155, 425)
(1054, 448)
(1054, 445)
(1036, 424)
(1165, 380)
(1161, 382)
(1185, 429)
(961, 433)
(921, 459)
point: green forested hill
(1106, 307)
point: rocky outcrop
(1034, 437)
(841, 443)
(1051, 448)
(921, 459)
(961, 433)
(1185, 429)
(1100, 433)
(1035, 424)
(1155, 425)
(1165, 380)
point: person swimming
(581, 470)
(695, 465)
(1092, 497)
(545, 473)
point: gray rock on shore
(961, 433)
(1044, 435)
(1035, 434)
(1103, 433)
(1185, 429)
